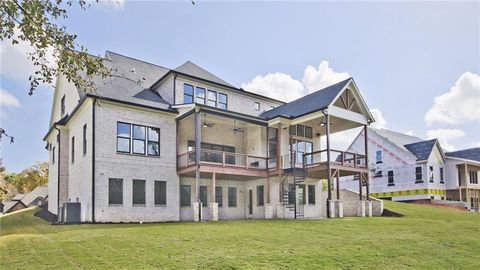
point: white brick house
(407, 168)
(126, 152)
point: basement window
(115, 191)
(218, 196)
(260, 195)
(204, 195)
(160, 192)
(138, 197)
(185, 195)
(232, 197)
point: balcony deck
(242, 166)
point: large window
(123, 137)
(301, 131)
(73, 149)
(378, 156)
(272, 144)
(62, 106)
(302, 147)
(232, 197)
(311, 194)
(219, 196)
(200, 92)
(212, 98)
(204, 195)
(85, 139)
(418, 174)
(115, 191)
(473, 177)
(391, 180)
(160, 193)
(140, 137)
(153, 147)
(138, 194)
(187, 93)
(260, 195)
(222, 101)
(185, 195)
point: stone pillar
(196, 206)
(361, 208)
(331, 209)
(280, 208)
(369, 208)
(213, 208)
(339, 209)
(268, 211)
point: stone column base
(339, 209)
(361, 209)
(280, 209)
(331, 209)
(369, 208)
(268, 211)
(196, 208)
(213, 208)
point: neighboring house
(36, 197)
(12, 206)
(407, 168)
(186, 145)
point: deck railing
(221, 158)
(314, 158)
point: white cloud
(114, 4)
(275, 85)
(460, 105)
(316, 79)
(445, 136)
(380, 121)
(8, 100)
(282, 86)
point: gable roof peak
(195, 70)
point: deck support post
(198, 138)
(367, 176)
(330, 204)
(213, 206)
(338, 184)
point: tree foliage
(55, 51)
(25, 181)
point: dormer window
(187, 93)
(257, 106)
(62, 106)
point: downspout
(58, 171)
(93, 160)
(175, 89)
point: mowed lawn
(425, 238)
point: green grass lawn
(425, 238)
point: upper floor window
(222, 101)
(378, 156)
(272, 144)
(431, 174)
(441, 175)
(187, 93)
(391, 180)
(473, 177)
(301, 131)
(418, 174)
(200, 95)
(138, 139)
(84, 139)
(257, 106)
(62, 106)
(212, 98)
(73, 149)
(378, 173)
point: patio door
(250, 202)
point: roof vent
(133, 70)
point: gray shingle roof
(127, 88)
(7, 205)
(192, 69)
(471, 154)
(18, 197)
(313, 102)
(421, 149)
(397, 138)
(38, 192)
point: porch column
(213, 205)
(198, 137)
(360, 189)
(327, 132)
(365, 129)
(268, 206)
(467, 180)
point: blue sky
(401, 55)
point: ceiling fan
(205, 123)
(235, 128)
